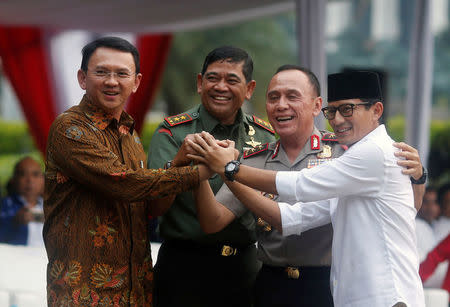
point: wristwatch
(422, 179)
(168, 164)
(231, 168)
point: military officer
(193, 268)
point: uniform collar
(210, 122)
(100, 119)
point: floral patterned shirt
(97, 193)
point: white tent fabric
(135, 15)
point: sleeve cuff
(290, 222)
(286, 184)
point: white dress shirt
(374, 261)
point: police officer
(194, 268)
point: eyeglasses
(105, 74)
(346, 110)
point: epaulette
(255, 150)
(263, 124)
(178, 119)
(329, 136)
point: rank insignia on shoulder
(178, 119)
(255, 150)
(263, 124)
(330, 136)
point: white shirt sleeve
(360, 171)
(301, 217)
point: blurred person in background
(441, 228)
(425, 220)
(442, 225)
(21, 212)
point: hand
(412, 164)
(211, 152)
(204, 172)
(24, 216)
(181, 158)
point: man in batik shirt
(98, 189)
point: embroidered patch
(263, 124)
(315, 144)
(137, 139)
(164, 130)
(74, 133)
(316, 162)
(252, 142)
(178, 119)
(329, 137)
(255, 150)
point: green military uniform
(190, 266)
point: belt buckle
(228, 251)
(292, 272)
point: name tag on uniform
(314, 162)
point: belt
(299, 272)
(225, 250)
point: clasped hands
(205, 149)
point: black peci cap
(355, 84)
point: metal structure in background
(310, 27)
(420, 78)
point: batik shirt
(97, 193)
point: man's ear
(81, 75)
(250, 88)
(317, 105)
(199, 83)
(137, 81)
(378, 110)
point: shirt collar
(210, 122)
(100, 119)
(39, 203)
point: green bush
(15, 138)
